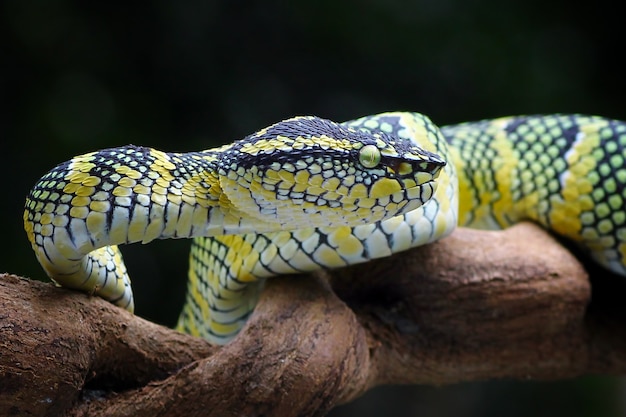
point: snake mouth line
(420, 179)
(421, 193)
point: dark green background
(78, 76)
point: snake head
(312, 172)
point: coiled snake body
(307, 193)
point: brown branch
(477, 305)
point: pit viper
(307, 193)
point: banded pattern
(565, 172)
(226, 271)
(307, 193)
(84, 205)
(301, 172)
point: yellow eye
(369, 156)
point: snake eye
(369, 156)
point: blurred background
(188, 75)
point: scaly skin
(302, 172)
(303, 195)
(564, 172)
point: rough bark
(474, 306)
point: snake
(308, 193)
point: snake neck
(127, 194)
(79, 212)
(130, 194)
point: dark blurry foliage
(77, 76)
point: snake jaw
(329, 191)
(312, 172)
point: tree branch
(476, 305)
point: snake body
(308, 193)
